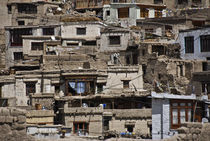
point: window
(9, 8)
(21, 22)
(181, 111)
(107, 13)
(99, 88)
(144, 13)
(158, 1)
(57, 88)
(158, 13)
(16, 35)
(27, 8)
(123, 12)
(205, 43)
(181, 72)
(126, 84)
(81, 31)
(81, 128)
(80, 86)
(189, 44)
(18, 56)
(182, 1)
(205, 66)
(37, 46)
(159, 49)
(206, 88)
(30, 88)
(48, 31)
(130, 128)
(114, 40)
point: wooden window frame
(37, 46)
(18, 56)
(88, 89)
(83, 128)
(48, 31)
(123, 12)
(205, 43)
(179, 107)
(30, 90)
(189, 44)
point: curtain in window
(80, 87)
(72, 85)
(175, 116)
(182, 116)
(189, 115)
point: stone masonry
(193, 132)
(13, 125)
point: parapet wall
(13, 125)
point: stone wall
(192, 131)
(13, 125)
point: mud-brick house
(126, 13)
(195, 43)
(112, 104)
(30, 12)
(26, 40)
(84, 31)
(170, 111)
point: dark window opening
(106, 122)
(130, 128)
(158, 1)
(27, 8)
(72, 44)
(128, 62)
(107, 13)
(181, 70)
(81, 128)
(182, 1)
(205, 66)
(126, 84)
(100, 87)
(57, 88)
(208, 58)
(89, 43)
(81, 31)
(21, 22)
(206, 88)
(123, 12)
(132, 58)
(30, 88)
(37, 46)
(159, 49)
(48, 31)
(18, 56)
(86, 65)
(16, 36)
(189, 44)
(205, 43)
(114, 40)
(198, 23)
(144, 69)
(9, 8)
(143, 52)
(3, 102)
